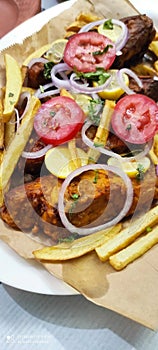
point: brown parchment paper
(132, 292)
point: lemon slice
(59, 162)
(56, 51)
(112, 34)
(83, 101)
(114, 90)
(131, 167)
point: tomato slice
(58, 120)
(88, 51)
(135, 118)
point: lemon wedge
(83, 101)
(112, 34)
(56, 51)
(59, 162)
(131, 168)
(13, 86)
(113, 90)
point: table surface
(66, 322)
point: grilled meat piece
(141, 33)
(35, 76)
(150, 87)
(33, 208)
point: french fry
(128, 235)
(135, 250)
(13, 86)
(13, 153)
(79, 247)
(9, 132)
(37, 53)
(103, 130)
(1, 127)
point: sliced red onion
(37, 154)
(24, 95)
(37, 60)
(120, 42)
(157, 170)
(87, 89)
(90, 143)
(39, 94)
(60, 67)
(85, 230)
(16, 119)
(109, 153)
(122, 83)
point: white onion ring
(60, 67)
(44, 94)
(109, 153)
(118, 218)
(120, 42)
(37, 154)
(121, 82)
(87, 89)
(37, 60)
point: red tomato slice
(58, 120)
(135, 118)
(82, 52)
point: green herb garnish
(75, 196)
(41, 88)
(100, 75)
(128, 127)
(52, 113)
(10, 94)
(47, 69)
(148, 229)
(70, 238)
(93, 115)
(101, 52)
(95, 180)
(108, 24)
(140, 172)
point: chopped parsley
(148, 229)
(95, 180)
(128, 127)
(92, 112)
(41, 88)
(47, 69)
(10, 94)
(101, 52)
(75, 196)
(140, 172)
(108, 24)
(70, 238)
(52, 113)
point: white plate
(14, 270)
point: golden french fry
(1, 127)
(135, 250)
(156, 66)
(12, 154)
(103, 130)
(79, 247)
(13, 86)
(154, 47)
(128, 235)
(144, 69)
(9, 132)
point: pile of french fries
(13, 142)
(118, 245)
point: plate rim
(5, 251)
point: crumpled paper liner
(132, 292)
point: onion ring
(114, 221)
